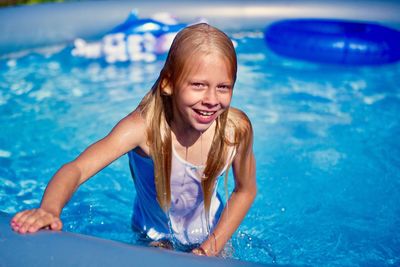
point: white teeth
(205, 113)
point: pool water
(326, 144)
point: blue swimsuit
(186, 220)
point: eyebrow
(197, 81)
(194, 80)
(226, 83)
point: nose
(210, 97)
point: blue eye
(224, 87)
(197, 85)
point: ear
(166, 88)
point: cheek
(226, 100)
(185, 100)
(190, 98)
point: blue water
(326, 144)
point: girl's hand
(30, 221)
(199, 251)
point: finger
(199, 251)
(19, 219)
(26, 220)
(196, 252)
(41, 221)
(56, 225)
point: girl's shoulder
(132, 127)
(238, 126)
(238, 119)
(133, 121)
(136, 117)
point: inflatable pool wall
(25, 27)
(63, 249)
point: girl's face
(204, 94)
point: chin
(201, 127)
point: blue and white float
(136, 39)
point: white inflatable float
(136, 39)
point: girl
(180, 139)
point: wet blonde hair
(156, 108)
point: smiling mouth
(205, 114)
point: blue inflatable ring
(334, 41)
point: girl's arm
(126, 135)
(244, 170)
